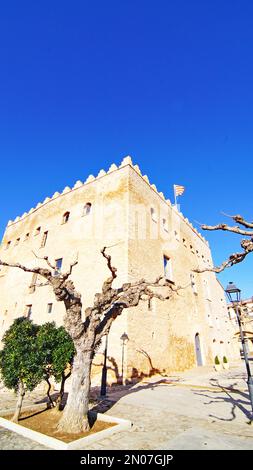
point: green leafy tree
(20, 362)
(56, 350)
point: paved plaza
(198, 409)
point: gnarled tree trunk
(21, 394)
(86, 335)
(60, 398)
(75, 414)
(49, 386)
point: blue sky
(83, 84)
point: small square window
(44, 239)
(207, 290)
(65, 217)
(32, 286)
(167, 268)
(165, 225)
(28, 311)
(153, 214)
(58, 266)
(37, 231)
(87, 209)
(193, 284)
(49, 308)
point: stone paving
(198, 409)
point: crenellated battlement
(102, 173)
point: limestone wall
(82, 237)
(162, 335)
(140, 227)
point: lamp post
(124, 338)
(104, 371)
(234, 296)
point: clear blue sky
(82, 84)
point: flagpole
(175, 195)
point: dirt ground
(45, 421)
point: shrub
(216, 360)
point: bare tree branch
(104, 326)
(45, 258)
(41, 284)
(66, 275)
(233, 259)
(228, 228)
(240, 220)
(102, 301)
(42, 272)
(109, 258)
(246, 244)
(129, 296)
(64, 291)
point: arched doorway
(198, 350)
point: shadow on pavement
(115, 393)
(229, 398)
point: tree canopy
(20, 358)
(56, 349)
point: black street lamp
(124, 338)
(233, 293)
(234, 297)
(104, 371)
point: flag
(178, 190)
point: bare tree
(244, 228)
(86, 335)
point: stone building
(147, 236)
(245, 310)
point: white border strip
(53, 443)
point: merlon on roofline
(126, 161)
